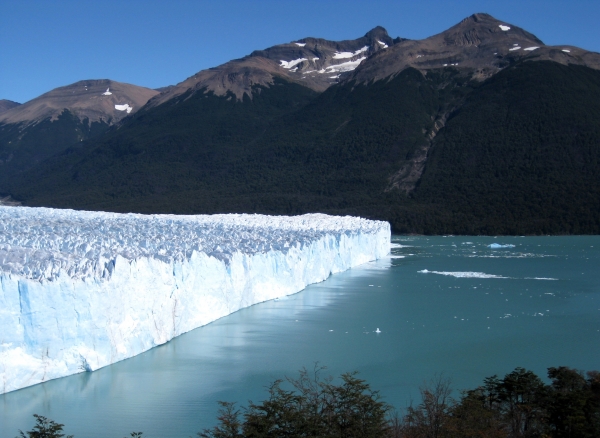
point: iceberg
(81, 290)
(498, 245)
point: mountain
(497, 141)
(480, 46)
(99, 100)
(48, 124)
(5, 105)
(312, 62)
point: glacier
(81, 290)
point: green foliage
(518, 154)
(519, 405)
(44, 428)
(23, 147)
(522, 155)
(314, 407)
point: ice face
(81, 290)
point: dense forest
(518, 405)
(432, 153)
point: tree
(44, 428)
(573, 403)
(519, 394)
(431, 417)
(311, 407)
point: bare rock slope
(97, 100)
(479, 45)
(313, 62)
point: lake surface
(448, 305)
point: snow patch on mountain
(344, 66)
(124, 107)
(504, 27)
(290, 64)
(344, 55)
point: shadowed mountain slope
(493, 145)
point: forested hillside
(432, 153)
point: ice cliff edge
(81, 290)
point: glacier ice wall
(81, 290)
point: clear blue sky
(45, 44)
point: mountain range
(481, 129)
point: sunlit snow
(383, 45)
(504, 27)
(344, 66)
(300, 44)
(566, 50)
(290, 64)
(125, 107)
(531, 48)
(513, 49)
(343, 55)
(107, 92)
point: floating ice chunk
(531, 48)
(462, 274)
(498, 245)
(342, 55)
(504, 27)
(124, 107)
(300, 44)
(107, 92)
(290, 64)
(513, 49)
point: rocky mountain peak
(479, 47)
(378, 32)
(313, 62)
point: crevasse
(81, 290)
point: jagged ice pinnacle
(81, 290)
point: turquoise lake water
(448, 305)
